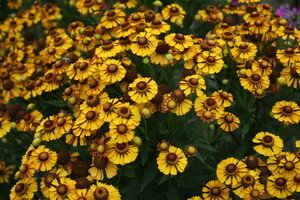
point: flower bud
(137, 141)
(101, 148)
(146, 112)
(146, 60)
(13, 125)
(281, 80)
(30, 106)
(157, 3)
(59, 17)
(179, 22)
(72, 3)
(17, 175)
(122, 6)
(225, 81)
(37, 135)
(197, 17)
(243, 71)
(169, 57)
(36, 141)
(97, 36)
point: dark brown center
(280, 182)
(215, 191)
(112, 68)
(171, 157)
(122, 128)
(287, 109)
(62, 189)
(231, 168)
(44, 156)
(91, 115)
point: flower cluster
(95, 93)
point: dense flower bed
(148, 100)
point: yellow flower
(288, 57)
(130, 112)
(259, 27)
(289, 166)
(209, 63)
(5, 127)
(24, 189)
(243, 51)
(179, 41)
(159, 55)
(192, 84)
(176, 102)
(44, 158)
(127, 3)
(121, 130)
(157, 27)
(104, 191)
(293, 183)
(254, 192)
(121, 153)
(254, 80)
(291, 76)
(46, 181)
(171, 161)
(142, 90)
(81, 69)
(268, 144)
(88, 6)
(27, 169)
(6, 171)
(222, 98)
(62, 188)
(211, 14)
(79, 194)
(47, 129)
(286, 111)
(277, 186)
(111, 71)
(11, 89)
(249, 179)
(85, 43)
(112, 18)
(108, 110)
(273, 161)
(89, 119)
(14, 4)
(230, 171)
(101, 164)
(215, 190)
(108, 49)
(144, 44)
(173, 12)
(204, 103)
(228, 122)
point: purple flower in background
(289, 13)
(236, 2)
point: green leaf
(164, 179)
(144, 157)
(245, 129)
(209, 147)
(128, 172)
(198, 155)
(172, 192)
(57, 103)
(150, 173)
